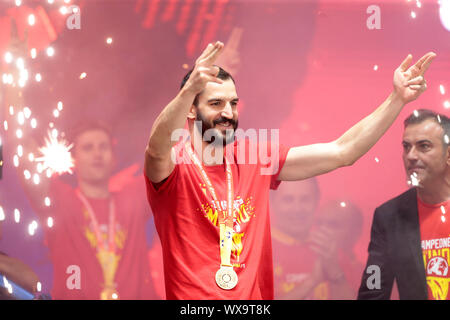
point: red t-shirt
(294, 263)
(188, 228)
(435, 236)
(72, 242)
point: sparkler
(32, 228)
(56, 155)
(19, 133)
(31, 19)
(27, 174)
(414, 181)
(447, 104)
(16, 215)
(8, 57)
(33, 123)
(7, 285)
(27, 112)
(50, 51)
(50, 222)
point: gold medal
(226, 278)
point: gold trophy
(109, 262)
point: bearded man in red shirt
(209, 192)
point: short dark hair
(222, 75)
(89, 125)
(314, 188)
(419, 116)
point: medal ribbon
(225, 218)
(111, 227)
(106, 256)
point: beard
(225, 137)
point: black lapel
(409, 224)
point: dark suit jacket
(395, 247)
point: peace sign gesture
(204, 70)
(409, 81)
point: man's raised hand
(409, 81)
(204, 70)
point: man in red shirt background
(97, 237)
(324, 239)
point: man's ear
(192, 115)
(448, 155)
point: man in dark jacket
(410, 237)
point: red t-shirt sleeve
(282, 152)
(164, 187)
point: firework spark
(56, 155)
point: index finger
(427, 59)
(211, 57)
(205, 52)
(405, 64)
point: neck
(437, 192)
(97, 190)
(206, 152)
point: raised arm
(158, 164)
(307, 161)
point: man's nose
(412, 154)
(227, 111)
(98, 153)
